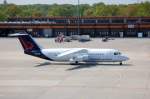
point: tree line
(98, 9)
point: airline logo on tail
(27, 45)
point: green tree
(98, 9)
(61, 10)
(83, 8)
(143, 9)
(89, 12)
(3, 16)
(36, 13)
(13, 10)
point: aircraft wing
(71, 53)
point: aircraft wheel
(76, 62)
(120, 63)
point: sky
(22, 2)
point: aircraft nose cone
(125, 58)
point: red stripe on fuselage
(26, 45)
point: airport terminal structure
(115, 26)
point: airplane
(72, 55)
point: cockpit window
(117, 53)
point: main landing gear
(120, 63)
(74, 63)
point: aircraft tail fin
(29, 45)
(27, 42)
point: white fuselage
(74, 55)
(91, 55)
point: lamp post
(78, 11)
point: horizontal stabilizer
(17, 34)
